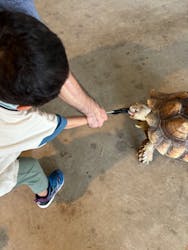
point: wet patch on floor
(3, 238)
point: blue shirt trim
(8, 106)
(61, 124)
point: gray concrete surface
(119, 50)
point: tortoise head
(139, 111)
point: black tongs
(118, 111)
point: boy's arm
(72, 93)
(73, 122)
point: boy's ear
(24, 108)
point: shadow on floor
(115, 76)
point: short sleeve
(25, 130)
(61, 124)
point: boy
(34, 70)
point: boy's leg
(31, 174)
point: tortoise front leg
(145, 152)
(143, 125)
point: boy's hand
(73, 94)
(96, 116)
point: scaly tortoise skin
(166, 116)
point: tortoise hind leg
(145, 152)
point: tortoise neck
(152, 119)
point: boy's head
(33, 62)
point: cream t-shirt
(20, 131)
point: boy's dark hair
(33, 62)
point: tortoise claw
(145, 152)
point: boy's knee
(29, 164)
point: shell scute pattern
(167, 126)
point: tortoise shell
(168, 126)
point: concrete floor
(119, 50)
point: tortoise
(165, 122)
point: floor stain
(3, 238)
